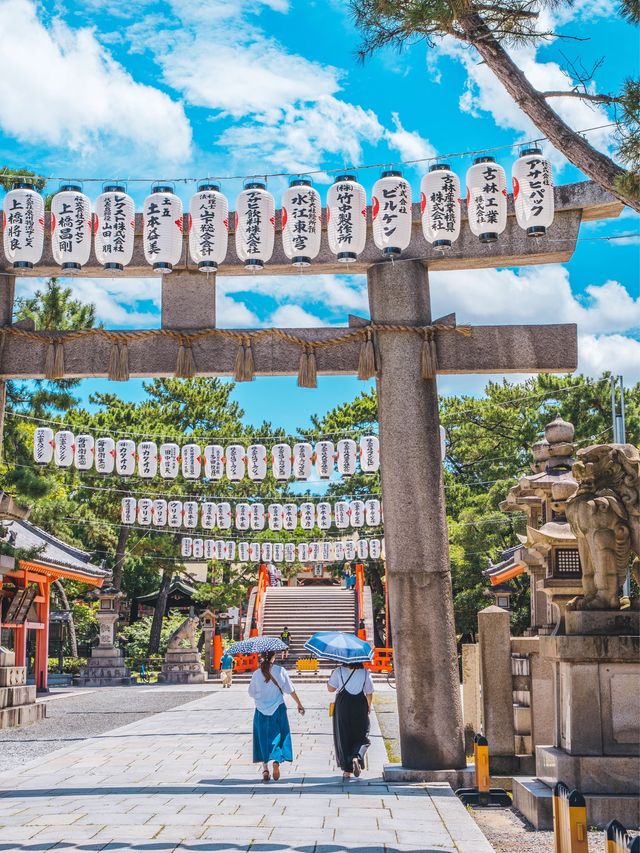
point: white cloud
(293, 316)
(234, 314)
(338, 295)
(408, 143)
(616, 353)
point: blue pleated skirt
(272, 736)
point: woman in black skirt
(353, 687)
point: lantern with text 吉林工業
(255, 225)
(533, 197)
(208, 227)
(162, 227)
(301, 222)
(347, 218)
(71, 223)
(23, 226)
(440, 206)
(391, 213)
(114, 225)
(486, 199)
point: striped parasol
(339, 646)
(257, 646)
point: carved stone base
(182, 666)
(105, 668)
(607, 622)
(17, 698)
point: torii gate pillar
(416, 538)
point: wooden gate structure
(416, 539)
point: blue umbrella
(339, 646)
(257, 646)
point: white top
(359, 682)
(266, 694)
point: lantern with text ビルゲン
(43, 443)
(533, 197)
(440, 206)
(64, 448)
(23, 226)
(208, 227)
(71, 228)
(391, 213)
(84, 449)
(162, 226)
(255, 225)
(301, 222)
(114, 224)
(105, 455)
(147, 459)
(486, 199)
(347, 218)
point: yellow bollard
(481, 756)
(618, 839)
(569, 820)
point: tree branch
(584, 96)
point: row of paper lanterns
(210, 515)
(112, 221)
(282, 552)
(146, 459)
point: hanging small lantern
(266, 552)
(325, 456)
(174, 513)
(290, 552)
(235, 462)
(209, 515)
(243, 517)
(128, 510)
(254, 552)
(190, 513)
(105, 455)
(302, 460)
(347, 218)
(125, 457)
(43, 442)
(356, 513)
(115, 225)
(255, 225)
(186, 546)
(145, 511)
(169, 460)
(229, 550)
(323, 515)
(208, 227)
(224, 516)
(440, 206)
(372, 514)
(278, 552)
(369, 454)
(289, 516)
(362, 549)
(198, 549)
(160, 513)
(84, 447)
(347, 453)
(349, 550)
(243, 552)
(71, 228)
(214, 462)
(375, 549)
(147, 459)
(23, 226)
(338, 551)
(162, 226)
(64, 448)
(314, 552)
(341, 514)
(486, 199)
(257, 462)
(257, 516)
(221, 549)
(327, 552)
(209, 549)
(276, 516)
(391, 213)
(533, 197)
(307, 516)
(191, 461)
(281, 462)
(301, 222)
(303, 552)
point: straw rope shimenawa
(244, 370)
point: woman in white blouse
(353, 687)
(271, 732)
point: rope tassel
(308, 369)
(429, 355)
(367, 360)
(244, 366)
(54, 360)
(118, 369)
(185, 364)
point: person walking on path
(353, 687)
(285, 636)
(226, 669)
(271, 732)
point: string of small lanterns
(324, 551)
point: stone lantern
(106, 665)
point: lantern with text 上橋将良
(169, 460)
(162, 227)
(23, 226)
(125, 457)
(43, 444)
(208, 227)
(105, 455)
(347, 218)
(147, 459)
(257, 462)
(391, 213)
(214, 462)
(302, 460)
(71, 228)
(114, 224)
(64, 448)
(486, 199)
(160, 512)
(281, 462)
(533, 197)
(84, 449)
(255, 225)
(369, 454)
(301, 222)
(440, 206)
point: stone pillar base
(463, 778)
(182, 666)
(105, 668)
(17, 698)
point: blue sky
(187, 89)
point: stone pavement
(182, 780)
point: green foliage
(9, 176)
(136, 636)
(629, 135)
(70, 666)
(85, 620)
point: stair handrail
(263, 583)
(360, 599)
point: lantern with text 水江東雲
(105, 455)
(147, 459)
(302, 460)
(289, 516)
(71, 225)
(125, 457)
(372, 512)
(440, 206)
(276, 516)
(174, 513)
(43, 443)
(266, 552)
(190, 513)
(128, 510)
(145, 511)
(169, 460)
(290, 552)
(214, 461)
(356, 513)
(257, 462)
(255, 225)
(162, 228)
(235, 462)
(391, 213)
(208, 227)
(307, 515)
(281, 462)
(323, 515)
(369, 454)
(254, 552)
(257, 516)
(341, 514)
(325, 458)
(301, 222)
(278, 552)
(23, 226)
(346, 456)
(209, 515)
(243, 516)
(64, 448)
(114, 225)
(160, 512)
(347, 218)
(191, 461)
(186, 546)
(486, 199)
(533, 197)
(243, 552)
(84, 450)
(224, 515)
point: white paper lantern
(347, 453)
(105, 455)
(71, 228)
(115, 225)
(84, 452)
(208, 227)
(235, 462)
(169, 460)
(289, 516)
(356, 513)
(64, 448)
(209, 549)
(23, 226)
(257, 516)
(255, 225)
(174, 513)
(341, 514)
(243, 516)
(290, 552)
(326, 554)
(372, 513)
(440, 206)
(266, 552)
(254, 552)
(325, 456)
(162, 228)
(307, 515)
(198, 549)
(281, 462)
(145, 511)
(209, 515)
(314, 552)
(369, 454)
(43, 442)
(125, 457)
(229, 550)
(214, 461)
(224, 516)
(301, 222)
(533, 197)
(486, 199)
(323, 515)
(147, 459)
(302, 460)
(128, 510)
(391, 213)
(243, 552)
(347, 218)
(190, 514)
(186, 546)
(276, 516)
(191, 461)
(257, 462)
(220, 549)
(303, 552)
(278, 552)
(338, 551)
(362, 549)
(349, 550)
(375, 549)
(160, 512)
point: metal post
(622, 433)
(614, 418)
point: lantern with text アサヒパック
(440, 206)
(391, 213)
(208, 227)
(114, 226)
(147, 459)
(43, 444)
(347, 218)
(162, 228)
(105, 455)
(255, 225)
(533, 197)
(84, 450)
(486, 199)
(23, 226)
(301, 222)
(71, 225)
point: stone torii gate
(431, 730)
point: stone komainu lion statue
(604, 514)
(186, 631)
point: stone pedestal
(17, 699)
(182, 666)
(105, 667)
